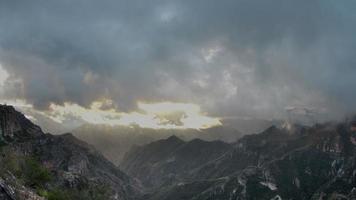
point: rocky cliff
(35, 165)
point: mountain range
(282, 162)
(115, 141)
(291, 162)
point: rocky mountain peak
(272, 129)
(14, 126)
(173, 139)
(37, 164)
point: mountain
(115, 141)
(250, 125)
(290, 162)
(281, 162)
(34, 165)
(171, 160)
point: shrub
(10, 161)
(34, 174)
(57, 194)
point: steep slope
(170, 161)
(307, 163)
(15, 126)
(253, 150)
(57, 167)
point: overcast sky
(233, 58)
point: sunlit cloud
(163, 115)
(19, 103)
(178, 115)
(226, 57)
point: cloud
(164, 115)
(232, 57)
(3, 77)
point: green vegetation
(58, 194)
(34, 174)
(27, 169)
(96, 193)
(30, 172)
(10, 162)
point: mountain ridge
(115, 141)
(170, 160)
(46, 166)
(300, 162)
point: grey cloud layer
(233, 57)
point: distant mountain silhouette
(115, 141)
(171, 160)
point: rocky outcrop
(15, 126)
(12, 189)
(65, 163)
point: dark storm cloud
(233, 57)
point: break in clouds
(234, 58)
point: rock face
(11, 189)
(72, 165)
(15, 126)
(316, 162)
(170, 161)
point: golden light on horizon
(163, 115)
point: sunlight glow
(165, 115)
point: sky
(207, 60)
